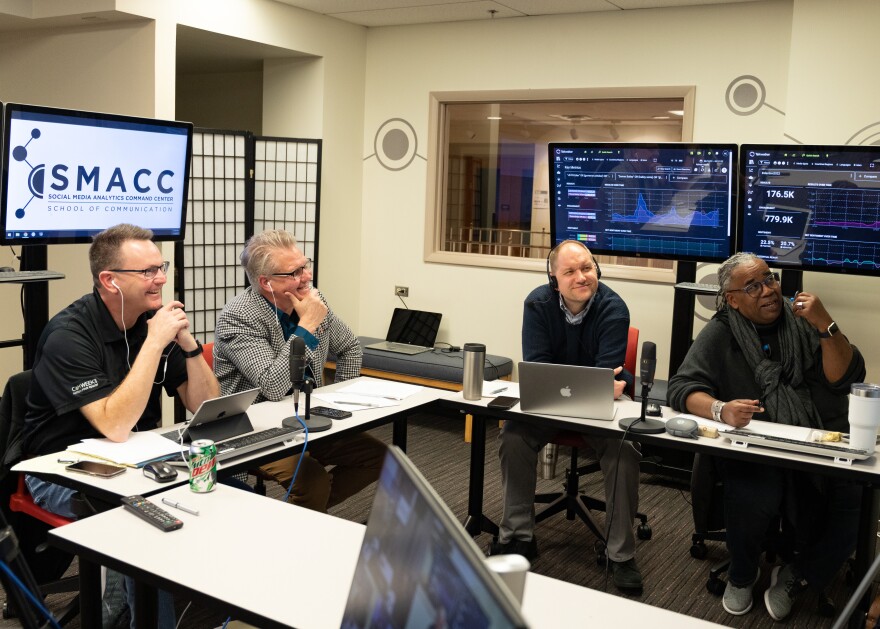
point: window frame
(436, 173)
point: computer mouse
(6, 269)
(682, 427)
(160, 471)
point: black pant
(824, 512)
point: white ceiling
(398, 12)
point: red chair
(208, 354)
(571, 500)
(12, 409)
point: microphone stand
(314, 424)
(642, 425)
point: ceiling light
(660, 117)
(677, 112)
(493, 117)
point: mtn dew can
(203, 466)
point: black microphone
(298, 361)
(641, 424)
(297, 367)
(648, 363)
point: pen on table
(177, 505)
(367, 404)
(497, 391)
(68, 461)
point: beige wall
(354, 79)
(707, 47)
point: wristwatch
(831, 331)
(193, 353)
(717, 405)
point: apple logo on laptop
(565, 391)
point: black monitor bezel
(85, 236)
(733, 203)
(834, 148)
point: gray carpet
(673, 579)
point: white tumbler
(864, 416)
(512, 569)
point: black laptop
(410, 332)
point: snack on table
(828, 436)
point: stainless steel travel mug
(472, 380)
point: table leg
(476, 522)
(145, 606)
(398, 432)
(89, 593)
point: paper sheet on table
(492, 388)
(137, 450)
(353, 401)
(385, 389)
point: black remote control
(332, 413)
(146, 510)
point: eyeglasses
(149, 273)
(755, 289)
(296, 273)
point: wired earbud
(124, 331)
(272, 290)
(551, 279)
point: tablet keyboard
(796, 445)
(237, 446)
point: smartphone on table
(96, 468)
(503, 402)
(332, 413)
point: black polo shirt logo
(82, 387)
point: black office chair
(571, 499)
(30, 522)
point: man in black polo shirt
(102, 362)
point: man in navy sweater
(573, 320)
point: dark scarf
(783, 391)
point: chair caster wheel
(825, 606)
(699, 551)
(644, 531)
(715, 586)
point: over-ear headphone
(554, 283)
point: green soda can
(203, 466)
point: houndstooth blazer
(250, 350)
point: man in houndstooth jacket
(252, 349)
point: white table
(262, 416)
(280, 565)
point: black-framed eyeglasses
(296, 273)
(755, 289)
(149, 273)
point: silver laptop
(410, 332)
(224, 421)
(567, 390)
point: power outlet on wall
(401, 291)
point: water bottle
(472, 380)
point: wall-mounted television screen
(813, 208)
(673, 201)
(67, 175)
